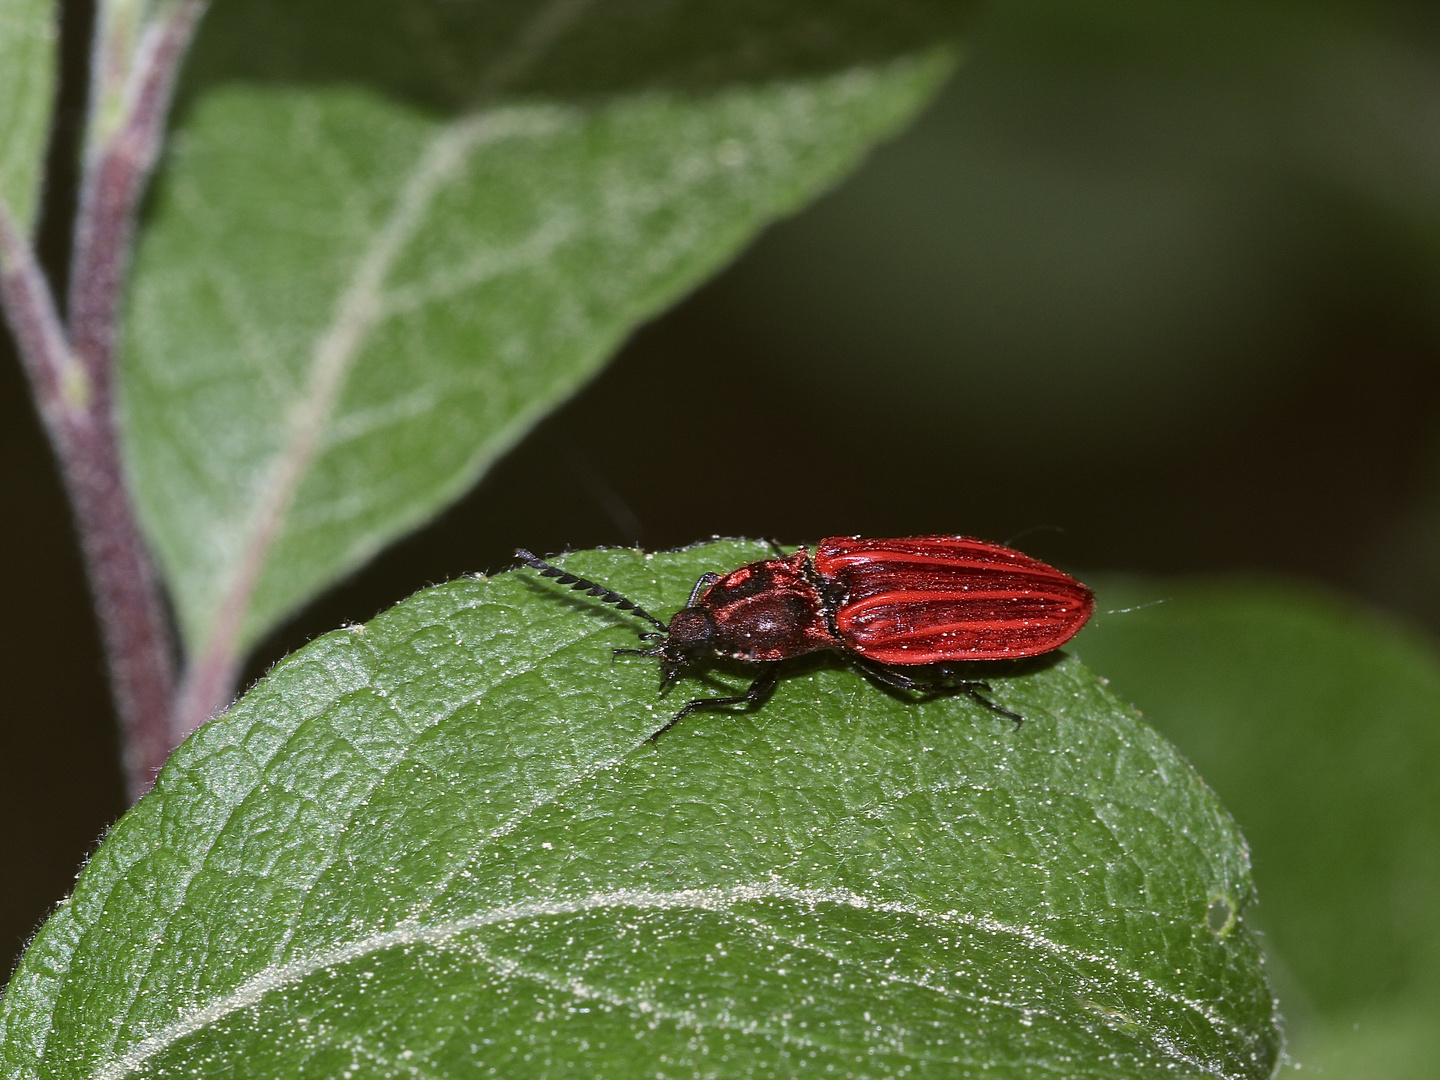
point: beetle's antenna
(600, 592)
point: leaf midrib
(278, 977)
(361, 306)
(359, 309)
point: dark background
(1153, 285)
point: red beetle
(887, 604)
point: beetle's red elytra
(887, 604)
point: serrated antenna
(590, 588)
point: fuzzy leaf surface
(1315, 720)
(27, 89)
(392, 236)
(442, 845)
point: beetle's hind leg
(975, 689)
(888, 676)
(976, 692)
(753, 698)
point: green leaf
(1315, 720)
(27, 87)
(442, 845)
(356, 292)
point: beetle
(888, 605)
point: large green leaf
(1319, 724)
(441, 845)
(391, 237)
(27, 85)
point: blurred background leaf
(345, 306)
(443, 844)
(1315, 721)
(1114, 218)
(27, 90)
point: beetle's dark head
(688, 639)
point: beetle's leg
(775, 547)
(890, 677)
(974, 689)
(706, 580)
(976, 693)
(753, 698)
(636, 652)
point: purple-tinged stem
(128, 598)
(116, 173)
(73, 379)
(128, 591)
(133, 622)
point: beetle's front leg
(753, 698)
(706, 580)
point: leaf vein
(282, 976)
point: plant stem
(118, 165)
(133, 623)
(117, 168)
(73, 375)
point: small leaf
(441, 845)
(27, 89)
(355, 295)
(1315, 720)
